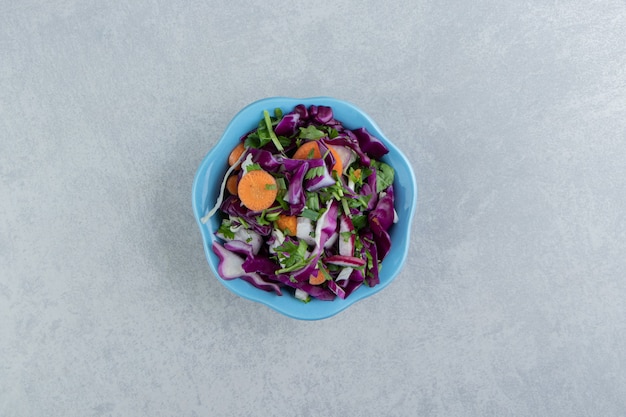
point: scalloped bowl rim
(205, 191)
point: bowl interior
(208, 179)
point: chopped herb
(311, 132)
(270, 130)
(384, 175)
(359, 221)
(273, 216)
(292, 256)
(312, 201)
(310, 214)
(344, 205)
(314, 172)
(253, 167)
(359, 202)
(225, 229)
(331, 132)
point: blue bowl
(206, 187)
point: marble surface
(512, 302)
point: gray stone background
(512, 302)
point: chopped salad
(306, 206)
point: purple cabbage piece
(383, 243)
(380, 220)
(343, 276)
(239, 247)
(274, 163)
(323, 115)
(232, 206)
(369, 245)
(347, 238)
(319, 292)
(334, 287)
(260, 264)
(346, 190)
(357, 275)
(382, 215)
(369, 143)
(231, 266)
(302, 111)
(266, 160)
(301, 275)
(369, 189)
(349, 261)
(326, 225)
(348, 139)
(288, 125)
(295, 193)
(260, 283)
(321, 181)
(351, 286)
(330, 159)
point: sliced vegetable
(235, 154)
(317, 278)
(347, 236)
(349, 261)
(287, 224)
(231, 184)
(308, 150)
(257, 190)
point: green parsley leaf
(310, 214)
(253, 167)
(384, 175)
(314, 172)
(252, 140)
(225, 230)
(359, 221)
(311, 132)
(292, 256)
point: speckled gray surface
(512, 299)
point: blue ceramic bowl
(211, 171)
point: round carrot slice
(308, 150)
(235, 154)
(257, 190)
(231, 184)
(287, 224)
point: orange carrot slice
(235, 154)
(231, 184)
(311, 150)
(317, 279)
(257, 190)
(287, 224)
(308, 150)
